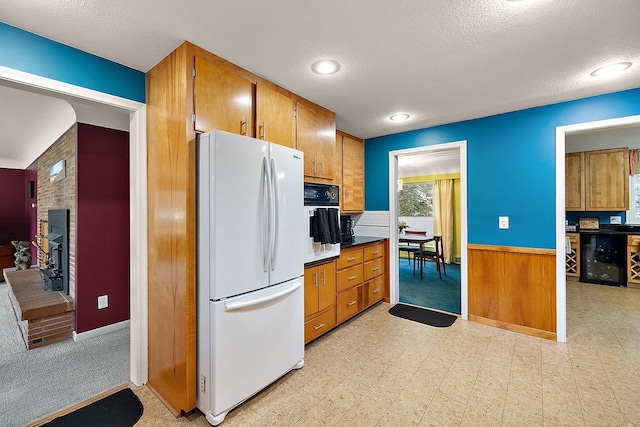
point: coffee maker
(346, 228)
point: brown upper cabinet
(597, 180)
(352, 197)
(316, 130)
(574, 181)
(607, 179)
(223, 100)
(274, 116)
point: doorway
(137, 201)
(561, 135)
(397, 169)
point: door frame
(137, 204)
(561, 278)
(393, 219)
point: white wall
(372, 223)
(419, 223)
(601, 140)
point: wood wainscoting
(513, 288)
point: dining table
(420, 239)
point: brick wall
(61, 194)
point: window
(633, 215)
(417, 200)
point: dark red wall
(13, 193)
(102, 226)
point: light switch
(503, 222)
(103, 301)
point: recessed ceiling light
(611, 69)
(325, 67)
(400, 117)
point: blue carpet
(430, 292)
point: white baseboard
(100, 331)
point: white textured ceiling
(430, 163)
(440, 61)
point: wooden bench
(45, 317)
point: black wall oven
(603, 258)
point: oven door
(313, 251)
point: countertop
(361, 240)
(612, 229)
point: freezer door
(233, 230)
(287, 244)
(255, 339)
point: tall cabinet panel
(274, 116)
(352, 174)
(223, 100)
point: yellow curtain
(443, 215)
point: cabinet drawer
(373, 251)
(373, 268)
(319, 325)
(349, 258)
(349, 303)
(633, 240)
(374, 291)
(349, 278)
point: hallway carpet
(431, 292)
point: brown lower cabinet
(359, 282)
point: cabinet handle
(375, 291)
(314, 165)
(376, 268)
(346, 193)
(375, 252)
(352, 258)
(351, 277)
(350, 303)
(322, 167)
(315, 328)
(324, 276)
(243, 126)
(263, 131)
(315, 278)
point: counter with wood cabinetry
(359, 280)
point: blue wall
(24, 51)
(510, 165)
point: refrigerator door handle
(266, 198)
(276, 214)
(251, 303)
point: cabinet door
(307, 137)
(274, 116)
(326, 145)
(607, 182)
(223, 100)
(352, 175)
(310, 291)
(574, 182)
(327, 285)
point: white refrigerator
(250, 236)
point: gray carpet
(39, 382)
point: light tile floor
(379, 370)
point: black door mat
(423, 315)
(122, 409)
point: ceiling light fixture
(325, 67)
(611, 69)
(399, 117)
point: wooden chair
(435, 255)
(409, 250)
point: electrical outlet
(103, 302)
(615, 219)
(503, 222)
